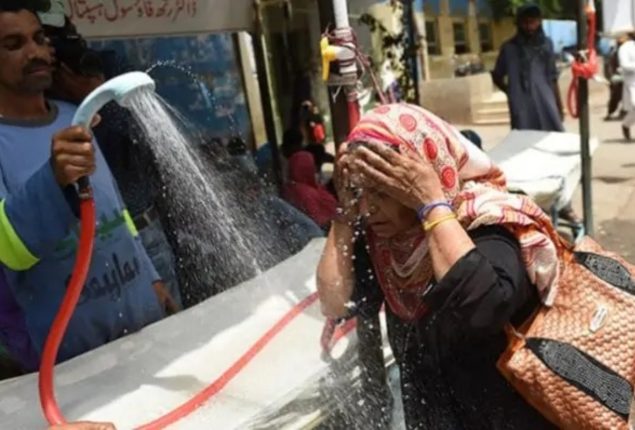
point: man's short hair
(529, 10)
(33, 6)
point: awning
(125, 18)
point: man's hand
(72, 155)
(84, 425)
(165, 298)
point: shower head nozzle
(125, 86)
(120, 89)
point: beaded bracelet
(423, 211)
(429, 225)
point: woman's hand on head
(408, 178)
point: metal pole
(266, 96)
(345, 112)
(583, 108)
(337, 99)
(412, 48)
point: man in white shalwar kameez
(627, 65)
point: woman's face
(385, 216)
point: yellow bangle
(429, 225)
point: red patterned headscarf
(477, 190)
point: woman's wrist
(343, 233)
(436, 215)
(346, 214)
(430, 207)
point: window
(460, 38)
(432, 38)
(485, 36)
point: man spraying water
(38, 221)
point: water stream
(223, 218)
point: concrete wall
(442, 66)
(455, 99)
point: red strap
(211, 390)
(585, 70)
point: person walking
(626, 56)
(616, 82)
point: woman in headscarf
(451, 253)
(305, 193)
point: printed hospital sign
(125, 18)
(619, 16)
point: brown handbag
(575, 361)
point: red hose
(82, 264)
(583, 69)
(60, 323)
(80, 272)
(204, 395)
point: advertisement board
(125, 18)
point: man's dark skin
(26, 69)
(26, 72)
(529, 26)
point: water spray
(120, 89)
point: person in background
(313, 123)
(616, 82)
(305, 193)
(293, 141)
(237, 148)
(291, 226)
(127, 154)
(41, 158)
(526, 71)
(626, 56)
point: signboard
(619, 16)
(125, 18)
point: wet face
(26, 57)
(385, 216)
(530, 25)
